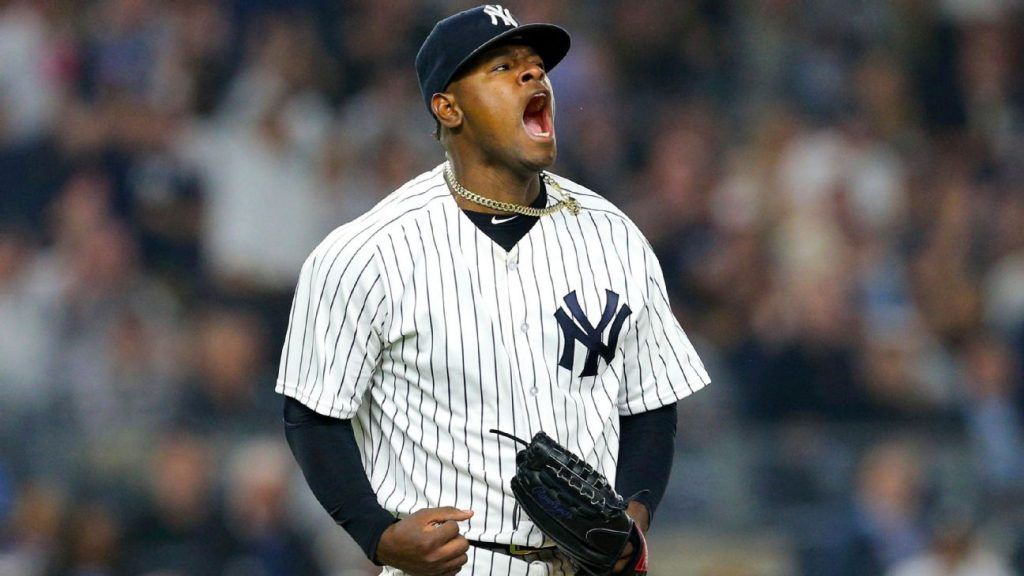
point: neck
(494, 182)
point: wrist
(381, 552)
(640, 514)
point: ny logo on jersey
(585, 333)
(495, 11)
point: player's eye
(500, 67)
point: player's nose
(531, 71)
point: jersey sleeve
(334, 343)
(661, 365)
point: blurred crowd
(835, 189)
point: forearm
(646, 449)
(328, 455)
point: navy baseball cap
(455, 40)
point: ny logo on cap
(589, 335)
(495, 11)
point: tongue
(533, 116)
(533, 123)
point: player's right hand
(426, 543)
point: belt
(525, 553)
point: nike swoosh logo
(496, 220)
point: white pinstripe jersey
(425, 333)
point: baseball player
(484, 294)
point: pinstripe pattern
(424, 332)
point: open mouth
(537, 116)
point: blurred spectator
(267, 544)
(230, 396)
(261, 163)
(33, 58)
(182, 528)
(28, 323)
(809, 356)
(884, 526)
(955, 551)
(127, 43)
(30, 352)
(942, 274)
(1003, 284)
(91, 543)
(117, 337)
(895, 373)
(30, 538)
(195, 72)
(381, 35)
(994, 420)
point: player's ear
(446, 110)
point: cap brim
(551, 43)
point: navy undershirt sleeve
(328, 455)
(646, 448)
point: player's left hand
(638, 512)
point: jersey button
(512, 265)
(525, 327)
(533, 391)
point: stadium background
(835, 189)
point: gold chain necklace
(566, 201)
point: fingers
(454, 548)
(441, 533)
(427, 543)
(452, 565)
(441, 522)
(455, 564)
(627, 552)
(446, 513)
(449, 559)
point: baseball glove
(574, 506)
